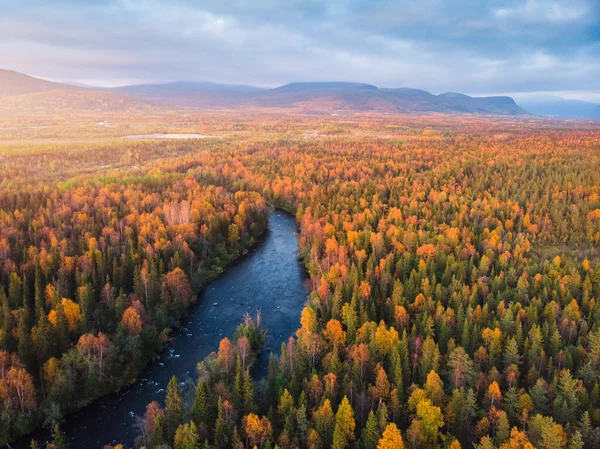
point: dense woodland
(455, 280)
(94, 276)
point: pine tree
(576, 442)
(220, 435)
(460, 368)
(510, 403)
(248, 393)
(343, 433)
(174, 408)
(58, 440)
(324, 423)
(271, 393)
(539, 398)
(486, 443)
(200, 407)
(186, 437)
(371, 434)
(511, 353)
(238, 383)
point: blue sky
(439, 45)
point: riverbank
(269, 278)
(123, 384)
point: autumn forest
(453, 267)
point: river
(270, 279)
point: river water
(270, 279)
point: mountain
(320, 97)
(188, 94)
(22, 95)
(14, 83)
(555, 106)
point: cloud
(536, 11)
(438, 45)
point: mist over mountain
(32, 94)
(555, 106)
(321, 97)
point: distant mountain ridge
(23, 94)
(555, 106)
(321, 97)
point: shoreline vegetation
(167, 276)
(199, 282)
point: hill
(23, 95)
(555, 106)
(320, 97)
(14, 83)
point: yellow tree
(343, 433)
(493, 393)
(430, 421)
(391, 438)
(518, 440)
(72, 312)
(257, 430)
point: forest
(454, 272)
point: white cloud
(549, 12)
(471, 49)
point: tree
(510, 403)
(257, 430)
(176, 287)
(544, 433)
(391, 439)
(200, 407)
(58, 440)
(245, 350)
(413, 434)
(132, 321)
(518, 440)
(434, 389)
(334, 333)
(153, 413)
(325, 423)
(493, 393)
(371, 433)
(460, 368)
(21, 390)
(511, 353)
(343, 433)
(186, 437)
(486, 443)
(72, 313)
(174, 407)
(301, 423)
(225, 355)
(430, 420)
(381, 389)
(576, 441)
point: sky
(475, 47)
